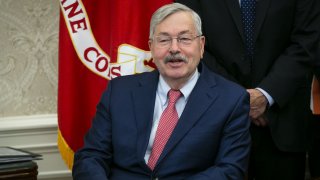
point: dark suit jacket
(316, 67)
(210, 141)
(285, 37)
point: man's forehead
(184, 32)
(180, 22)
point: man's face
(177, 60)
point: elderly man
(180, 121)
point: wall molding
(28, 122)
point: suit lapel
(202, 96)
(143, 98)
(261, 11)
(235, 11)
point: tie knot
(174, 95)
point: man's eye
(164, 40)
(185, 39)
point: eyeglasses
(184, 40)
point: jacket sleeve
(94, 159)
(289, 70)
(317, 59)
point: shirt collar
(163, 87)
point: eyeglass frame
(178, 38)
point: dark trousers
(267, 162)
(314, 152)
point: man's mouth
(175, 60)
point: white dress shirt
(162, 102)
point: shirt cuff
(267, 95)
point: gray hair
(162, 13)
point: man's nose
(174, 47)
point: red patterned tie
(168, 121)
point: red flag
(99, 40)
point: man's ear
(150, 44)
(202, 43)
